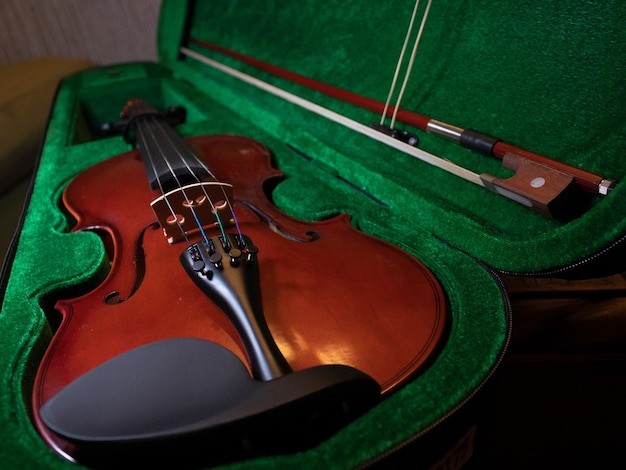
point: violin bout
(272, 311)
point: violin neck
(170, 163)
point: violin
(224, 327)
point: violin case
(546, 76)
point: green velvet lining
(535, 75)
(71, 260)
(546, 77)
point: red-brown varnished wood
(346, 298)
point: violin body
(338, 297)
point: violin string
(410, 65)
(150, 158)
(399, 64)
(154, 138)
(231, 208)
(148, 153)
(177, 145)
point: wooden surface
(555, 315)
(559, 400)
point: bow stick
(540, 183)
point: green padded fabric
(71, 260)
(546, 76)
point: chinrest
(181, 391)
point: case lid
(547, 78)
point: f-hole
(311, 235)
(113, 297)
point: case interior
(546, 77)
